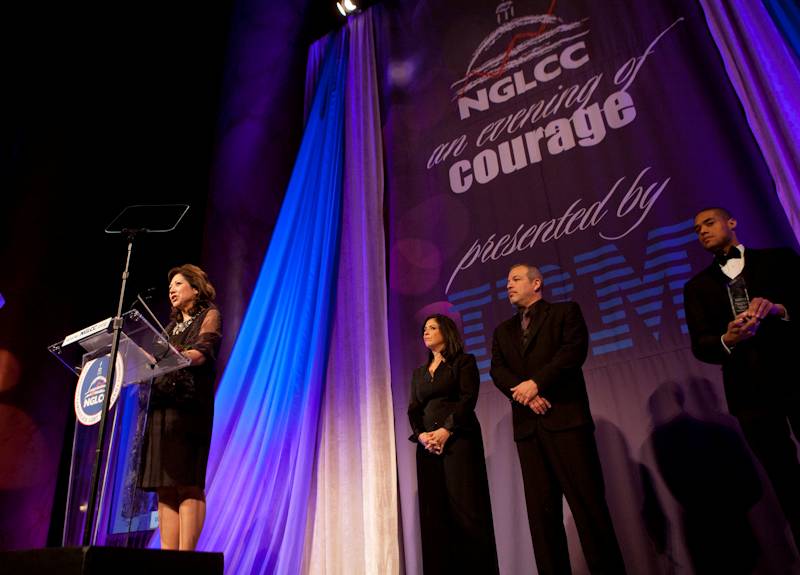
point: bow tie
(733, 254)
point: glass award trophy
(737, 294)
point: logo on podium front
(91, 390)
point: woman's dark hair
(198, 279)
(453, 345)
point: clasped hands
(746, 324)
(434, 441)
(527, 393)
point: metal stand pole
(101, 432)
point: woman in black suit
(454, 506)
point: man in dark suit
(536, 362)
(754, 335)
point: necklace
(181, 326)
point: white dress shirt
(735, 266)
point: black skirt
(175, 449)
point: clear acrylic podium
(125, 515)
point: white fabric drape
(353, 519)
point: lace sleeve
(210, 336)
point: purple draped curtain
(352, 525)
(765, 75)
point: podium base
(104, 560)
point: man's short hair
(724, 212)
(533, 271)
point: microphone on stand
(152, 315)
(148, 295)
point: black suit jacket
(759, 374)
(448, 399)
(553, 358)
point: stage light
(346, 7)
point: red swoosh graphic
(500, 70)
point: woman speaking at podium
(178, 434)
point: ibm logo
(652, 295)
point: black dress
(178, 434)
(454, 506)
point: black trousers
(455, 509)
(770, 438)
(558, 464)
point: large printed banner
(581, 137)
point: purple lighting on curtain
(786, 15)
(353, 519)
(268, 402)
(763, 69)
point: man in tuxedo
(742, 312)
(536, 362)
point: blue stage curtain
(268, 402)
(786, 15)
